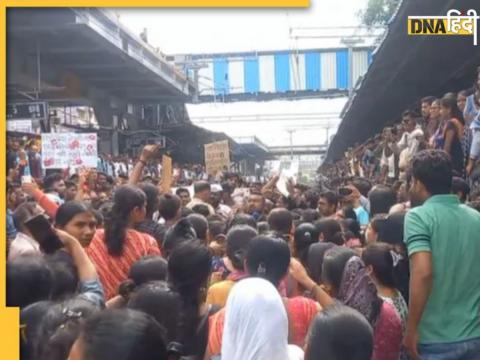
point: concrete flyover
(85, 56)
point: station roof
(404, 70)
(93, 48)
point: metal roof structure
(405, 69)
(67, 51)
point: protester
(202, 191)
(339, 332)
(256, 324)
(238, 238)
(327, 204)
(120, 334)
(114, 249)
(442, 302)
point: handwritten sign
(217, 157)
(167, 173)
(69, 150)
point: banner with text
(217, 157)
(69, 150)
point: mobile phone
(26, 179)
(44, 234)
(344, 191)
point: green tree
(378, 12)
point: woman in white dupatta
(256, 324)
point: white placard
(69, 150)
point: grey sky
(177, 31)
(222, 30)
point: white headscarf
(256, 323)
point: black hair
(459, 185)
(280, 221)
(383, 258)
(305, 235)
(168, 206)
(67, 211)
(64, 275)
(243, 219)
(151, 193)
(147, 268)
(316, 254)
(201, 186)
(349, 213)
(29, 280)
(433, 168)
(123, 334)
(216, 228)
(106, 210)
(382, 198)
(311, 198)
(334, 264)
(450, 102)
(60, 327)
(310, 215)
(31, 318)
(201, 209)
(70, 183)
(98, 217)
(126, 198)
(391, 230)
(182, 190)
(353, 227)
(331, 230)
(49, 180)
(238, 238)
(378, 221)
(428, 99)
(339, 333)
(269, 258)
(262, 227)
(363, 185)
(176, 235)
(189, 269)
(156, 299)
(200, 225)
(184, 212)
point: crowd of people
(450, 123)
(378, 262)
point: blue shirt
(362, 216)
(471, 112)
(11, 229)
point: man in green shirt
(443, 240)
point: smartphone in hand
(43, 232)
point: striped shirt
(112, 270)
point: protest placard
(69, 150)
(217, 157)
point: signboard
(217, 157)
(23, 126)
(27, 110)
(69, 150)
(167, 173)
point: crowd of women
(128, 269)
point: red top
(387, 337)
(300, 311)
(111, 269)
